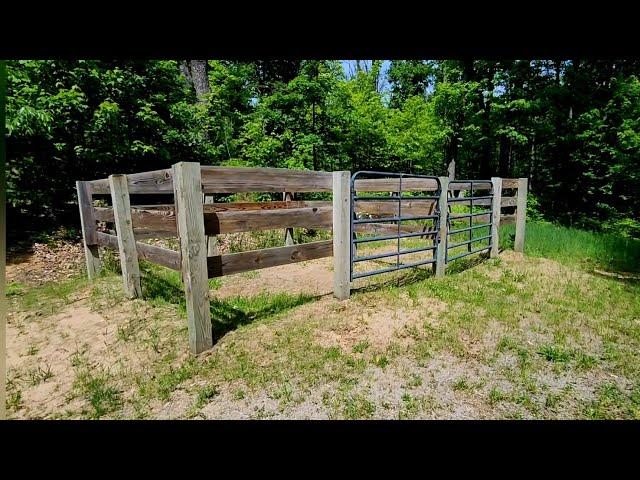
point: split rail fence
(195, 220)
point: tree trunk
(198, 71)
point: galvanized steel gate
(406, 188)
(396, 196)
(473, 201)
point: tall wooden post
(126, 239)
(496, 209)
(521, 214)
(288, 232)
(441, 251)
(212, 240)
(187, 186)
(88, 225)
(341, 236)
(451, 171)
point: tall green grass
(574, 246)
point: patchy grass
(511, 337)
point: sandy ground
(48, 345)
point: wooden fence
(193, 218)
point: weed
(496, 395)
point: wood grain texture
(341, 235)
(88, 225)
(158, 255)
(235, 179)
(521, 215)
(157, 181)
(269, 257)
(495, 211)
(193, 249)
(126, 239)
(253, 220)
(441, 250)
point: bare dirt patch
(312, 277)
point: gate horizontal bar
(460, 230)
(392, 254)
(465, 199)
(479, 239)
(450, 259)
(393, 237)
(392, 269)
(393, 219)
(467, 215)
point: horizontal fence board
(232, 180)
(161, 256)
(261, 206)
(509, 183)
(147, 223)
(270, 257)
(234, 221)
(157, 181)
(229, 180)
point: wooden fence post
(288, 232)
(341, 235)
(126, 239)
(496, 210)
(441, 251)
(521, 214)
(212, 240)
(88, 225)
(187, 184)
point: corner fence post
(496, 209)
(521, 214)
(441, 251)
(187, 187)
(126, 239)
(341, 235)
(88, 225)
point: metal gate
(472, 201)
(393, 198)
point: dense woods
(571, 126)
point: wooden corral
(193, 218)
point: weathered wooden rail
(196, 220)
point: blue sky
(348, 66)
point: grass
(95, 385)
(578, 247)
(523, 337)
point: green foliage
(571, 127)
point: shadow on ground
(226, 314)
